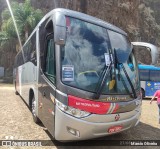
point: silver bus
(79, 76)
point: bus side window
(32, 49)
(50, 66)
(20, 60)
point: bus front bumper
(69, 128)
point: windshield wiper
(129, 80)
(102, 81)
(103, 78)
(125, 72)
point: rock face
(139, 18)
(135, 17)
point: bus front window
(126, 67)
(83, 59)
(83, 55)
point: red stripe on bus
(88, 105)
(116, 108)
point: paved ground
(16, 123)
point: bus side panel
(28, 75)
(19, 80)
(16, 79)
(29, 78)
(151, 87)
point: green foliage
(26, 18)
(8, 27)
(3, 37)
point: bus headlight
(72, 111)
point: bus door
(47, 87)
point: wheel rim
(34, 107)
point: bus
(150, 79)
(74, 73)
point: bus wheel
(143, 93)
(16, 93)
(33, 109)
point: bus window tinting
(155, 75)
(30, 49)
(149, 75)
(84, 52)
(123, 56)
(19, 60)
(144, 75)
(50, 61)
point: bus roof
(84, 17)
(148, 67)
(81, 16)
(89, 18)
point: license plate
(115, 129)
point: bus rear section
(87, 82)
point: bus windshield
(83, 58)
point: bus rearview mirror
(60, 35)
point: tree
(26, 18)
(83, 6)
(8, 34)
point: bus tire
(33, 110)
(143, 93)
(16, 93)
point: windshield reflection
(84, 57)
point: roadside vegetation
(26, 18)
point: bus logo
(149, 84)
(117, 117)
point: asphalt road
(16, 124)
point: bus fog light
(73, 131)
(65, 108)
(73, 111)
